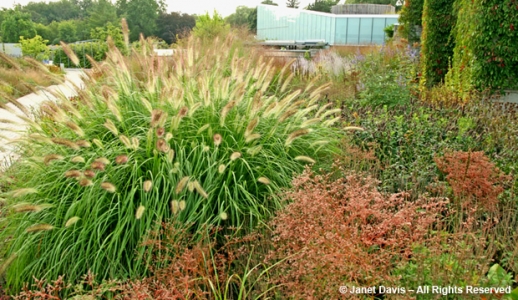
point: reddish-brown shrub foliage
(344, 232)
(473, 178)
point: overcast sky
(224, 7)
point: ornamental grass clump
(206, 139)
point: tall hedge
(437, 43)
(495, 44)
(410, 18)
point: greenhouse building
(282, 23)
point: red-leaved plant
(474, 179)
(344, 232)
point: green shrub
(207, 141)
(96, 50)
(385, 77)
(208, 27)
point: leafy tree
(67, 31)
(44, 32)
(210, 27)
(292, 3)
(241, 16)
(322, 5)
(45, 13)
(141, 16)
(35, 47)
(269, 2)
(172, 24)
(100, 13)
(15, 24)
(109, 30)
(252, 20)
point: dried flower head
(121, 159)
(72, 221)
(263, 180)
(162, 145)
(175, 206)
(305, 159)
(148, 184)
(109, 187)
(126, 141)
(84, 144)
(51, 157)
(157, 117)
(97, 165)
(217, 139)
(85, 182)
(140, 212)
(39, 227)
(89, 173)
(183, 111)
(72, 174)
(296, 134)
(235, 156)
(200, 190)
(181, 184)
(103, 160)
(77, 159)
(160, 131)
(221, 168)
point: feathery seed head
(217, 139)
(175, 206)
(68, 51)
(109, 187)
(121, 159)
(200, 190)
(23, 192)
(221, 168)
(85, 182)
(206, 149)
(162, 145)
(39, 227)
(65, 142)
(252, 137)
(111, 127)
(182, 204)
(170, 155)
(140, 212)
(351, 128)
(89, 173)
(235, 156)
(254, 150)
(223, 216)
(75, 128)
(251, 126)
(6, 263)
(203, 128)
(51, 157)
(263, 180)
(73, 174)
(168, 136)
(98, 143)
(126, 141)
(190, 186)
(183, 111)
(103, 160)
(181, 184)
(157, 117)
(310, 122)
(305, 159)
(148, 184)
(72, 221)
(84, 144)
(135, 142)
(97, 165)
(160, 131)
(296, 134)
(77, 159)
(25, 207)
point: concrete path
(11, 131)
